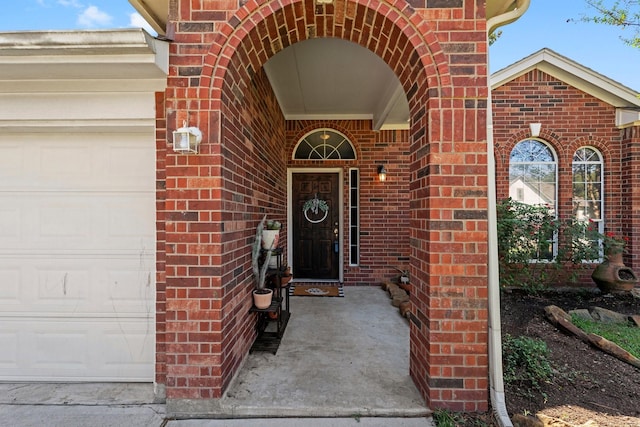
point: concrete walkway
(342, 362)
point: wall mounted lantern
(186, 139)
(535, 128)
(382, 173)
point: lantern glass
(186, 140)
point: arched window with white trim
(324, 144)
(533, 171)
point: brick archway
(448, 193)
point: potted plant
(283, 278)
(261, 295)
(270, 239)
(271, 234)
(403, 279)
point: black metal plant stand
(272, 321)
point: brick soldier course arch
(210, 203)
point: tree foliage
(624, 14)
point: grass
(446, 418)
(623, 334)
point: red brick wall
(630, 194)
(570, 119)
(213, 208)
(215, 199)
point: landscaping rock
(607, 316)
(561, 319)
(399, 298)
(582, 313)
(405, 308)
(520, 420)
(391, 288)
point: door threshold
(326, 281)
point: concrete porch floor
(346, 358)
(339, 357)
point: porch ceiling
(335, 79)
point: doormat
(316, 290)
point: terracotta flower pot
(262, 298)
(612, 275)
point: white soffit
(572, 73)
(155, 12)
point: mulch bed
(588, 385)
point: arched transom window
(324, 144)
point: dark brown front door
(316, 245)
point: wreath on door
(315, 205)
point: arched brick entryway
(214, 200)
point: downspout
(498, 401)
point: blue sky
(543, 25)
(21, 15)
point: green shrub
(536, 249)
(526, 364)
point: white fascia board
(328, 116)
(395, 126)
(59, 54)
(154, 12)
(627, 118)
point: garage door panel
(77, 256)
(9, 348)
(77, 222)
(77, 162)
(69, 349)
(9, 284)
(104, 287)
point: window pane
(532, 180)
(587, 184)
(325, 144)
(587, 187)
(354, 214)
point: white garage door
(77, 244)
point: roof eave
(572, 73)
(155, 12)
